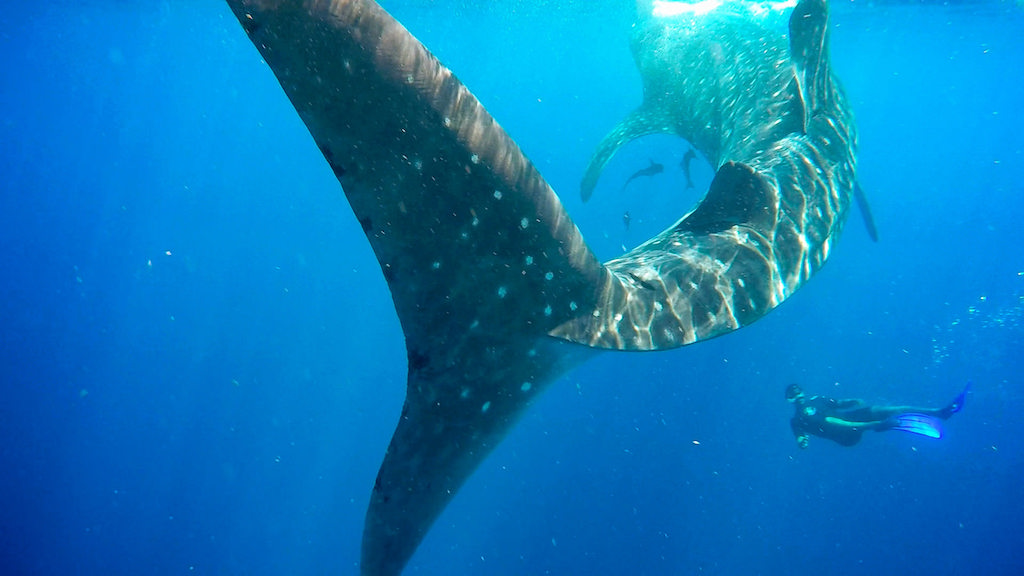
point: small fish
(651, 170)
(685, 165)
(626, 219)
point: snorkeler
(844, 421)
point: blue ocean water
(201, 366)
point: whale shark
(497, 292)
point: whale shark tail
(493, 284)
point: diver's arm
(802, 439)
(849, 403)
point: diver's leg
(886, 412)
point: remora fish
(654, 168)
(688, 158)
(494, 286)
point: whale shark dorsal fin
(738, 196)
(808, 44)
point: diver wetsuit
(844, 421)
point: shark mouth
(496, 290)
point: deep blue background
(201, 366)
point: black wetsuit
(811, 414)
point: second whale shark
(497, 293)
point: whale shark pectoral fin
(808, 44)
(640, 122)
(865, 211)
(737, 196)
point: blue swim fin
(958, 402)
(921, 424)
(956, 405)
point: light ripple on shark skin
(493, 284)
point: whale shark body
(496, 290)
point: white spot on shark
(486, 406)
(526, 387)
(502, 291)
(497, 194)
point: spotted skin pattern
(496, 290)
